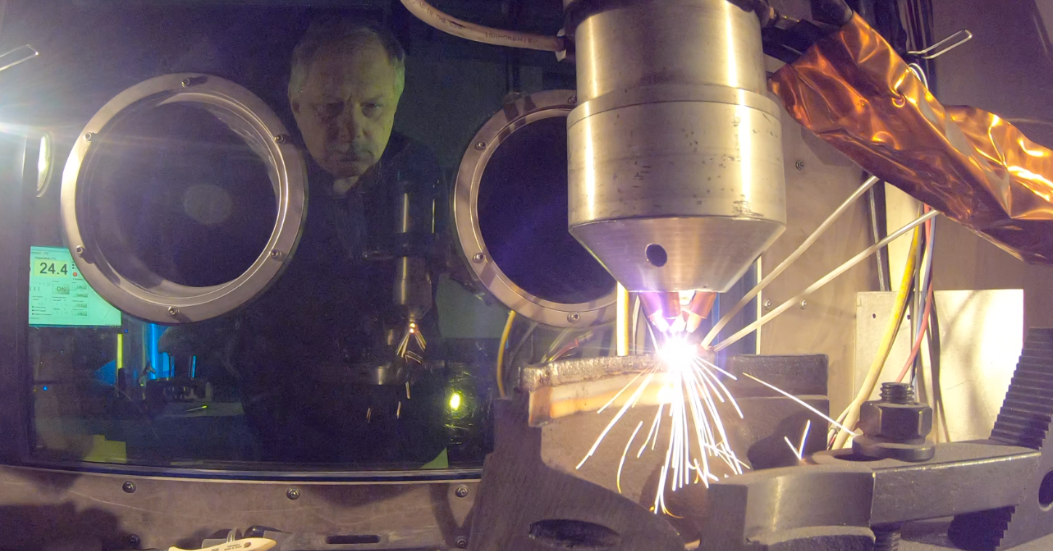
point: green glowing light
(455, 401)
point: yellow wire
(851, 415)
(501, 353)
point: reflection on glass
(44, 163)
(182, 193)
(309, 375)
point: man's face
(347, 107)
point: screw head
(573, 317)
(478, 258)
(88, 136)
(292, 493)
(280, 138)
(572, 99)
(134, 541)
(80, 250)
(128, 487)
(480, 146)
(173, 311)
(768, 304)
(461, 542)
(804, 304)
(276, 254)
(462, 491)
(799, 165)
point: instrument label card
(59, 295)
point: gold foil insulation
(857, 94)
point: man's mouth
(351, 156)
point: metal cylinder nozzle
(698, 309)
(674, 150)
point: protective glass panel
(374, 349)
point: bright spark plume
(412, 332)
(697, 438)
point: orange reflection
(857, 94)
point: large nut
(906, 423)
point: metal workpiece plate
(583, 370)
(135, 288)
(514, 117)
(709, 253)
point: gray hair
(357, 34)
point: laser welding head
(676, 178)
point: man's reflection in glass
(304, 354)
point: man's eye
(329, 110)
(372, 109)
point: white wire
(487, 35)
(823, 281)
(726, 318)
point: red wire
(925, 316)
(921, 337)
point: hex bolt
(896, 426)
(293, 493)
(128, 487)
(480, 146)
(462, 491)
(886, 537)
(461, 542)
(478, 258)
(799, 165)
(897, 393)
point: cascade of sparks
(688, 397)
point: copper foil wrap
(857, 94)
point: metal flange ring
(135, 288)
(498, 138)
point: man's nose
(351, 123)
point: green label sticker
(58, 294)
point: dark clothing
(299, 345)
(336, 294)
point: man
(303, 347)
(344, 88)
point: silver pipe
(675, 151)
